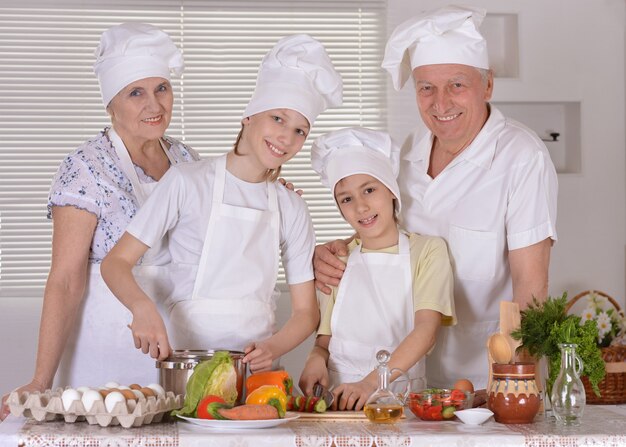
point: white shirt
(181, 206)
(499, 194)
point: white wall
(570, 50)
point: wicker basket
(613, 386)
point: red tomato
(457, 395)
(433, 413)
(418, 410)
(205, 409)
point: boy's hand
(352, 396)
(314, 371)
(328, 268)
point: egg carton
(48, 406)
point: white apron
(101, 347)
(158, 253)
(373, 311)
(233, 299)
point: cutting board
(336, 415)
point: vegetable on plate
(269, 394)
(280, 378)
(249, 412)
(209, 406)
(214, 377)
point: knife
(323, 393)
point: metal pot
(174, 371)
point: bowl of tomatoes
(439, 404)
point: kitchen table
(601, 426)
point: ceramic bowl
(474, 416)
(438, 404)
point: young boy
(396, 290)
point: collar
(480, 152)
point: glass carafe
(568, 393)
(384, 406)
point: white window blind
(50, 102)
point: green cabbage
(216, 377)
(223, 383)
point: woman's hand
(290, 186)
(328, 268)
(259, 356)
(31, 387)
(149, 333)
(352, 396)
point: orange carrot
(249, 412)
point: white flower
(604, 323)
(588, 314)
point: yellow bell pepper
(271, 395)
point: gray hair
(484, 74)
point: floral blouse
(91, 179)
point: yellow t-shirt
(433, 283)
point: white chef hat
(446, 36)
(296, 74)
(133, 51)
(357, 150)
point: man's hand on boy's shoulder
(328, 267)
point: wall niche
(557, 124)
(502, 35)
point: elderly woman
(96, 192)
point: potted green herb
(545, 324)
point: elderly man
(481, 181)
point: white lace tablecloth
(602, 426)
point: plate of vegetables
(212, 399)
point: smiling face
(368, 206)
(452, 100)
(142, 110)
(272, 138)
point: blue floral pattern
(91, 179)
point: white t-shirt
(499, 194)
(181, 206)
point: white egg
(89, 398)
(123, 387)
(139, 395)
(69, 396)
(113, 398)
(157, 389)
(111, 385)
(82, 389)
